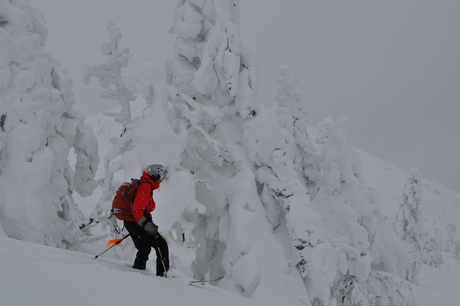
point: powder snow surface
(32, 274)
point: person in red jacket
(142, 230)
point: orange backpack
(122, 202)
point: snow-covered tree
(108, 72)
(214, 78)
(292, 115)
(283, 154)
(202, 75)
(38, 126)
(430, 252)
(284, 197)
(144, 140)
(409, 219)
(408, 223)
(191, 75)
(210, 64)
(352, 245)
(450, 242)
(456, 250)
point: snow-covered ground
(36, 275)
(439, 286)
(32, 274)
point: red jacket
(143, 201)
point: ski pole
(161, 256)
(112, 243)
(162, 261)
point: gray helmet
(156, 172)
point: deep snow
(32, 274)
(37, 275)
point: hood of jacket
(146, 176)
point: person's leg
(143, 248)
(162, 251)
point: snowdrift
(33, 274)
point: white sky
(392, 67)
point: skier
(141, 228)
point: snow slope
(32, 274)
(37, 275)
(439, 286)
(441, 205)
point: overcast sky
(392, 67)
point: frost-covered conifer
(38, 126)
(215, 82)
(456, 250)
(278, 144)
(108, 72)
(352, 245)
(408, 223)
(284, 197)
(195, 87)
(430, 252)
(450, 242)
(191, 73)
(210, 64)
(409, 219)
(213, 78)
(291, 114)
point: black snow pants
(144, 242)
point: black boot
(162, 263)
(139, 264)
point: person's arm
(141, 200)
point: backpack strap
(137, 186)
(140, 182)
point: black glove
(148, 226)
